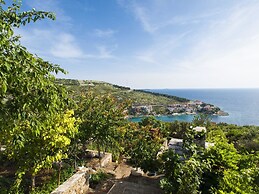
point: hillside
(138, 97)
(143, 102)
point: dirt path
(122, 171)
(123, 182)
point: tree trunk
(99, 153)
(59, 172)
(84, 149)
(75, 164)
(32, 182)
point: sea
(242, 105)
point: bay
(241, 104)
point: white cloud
(228, 52)
(104, 33)
(141, 15)
(66, 47)
(157, 15)
(54, 45)
(51, 43)
(163, 50)
(104, 52)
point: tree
(143, 145)
(230, 172)
(221, 157)
(101, 118)
(218, 169)
(239, 182)
(38, 146)
(182, 176)
(216, 135)
(202, 120)
(177, 129)
(171, 166)
(185, 175)
(35, 121)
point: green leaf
(4, 88)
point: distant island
(144, 103)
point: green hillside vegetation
(142, 102)
(44, 133)
(137, 97)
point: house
(177, 145)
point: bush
(95, 179)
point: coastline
(241, 104)
(221, 114)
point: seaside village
(191, 107)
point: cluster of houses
(191, 107)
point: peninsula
(143, 103)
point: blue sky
(150, 43)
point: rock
(137, 172)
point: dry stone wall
(77, 184)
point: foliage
(98, 177)
(203, 120)
(221, 156)
(52, 184)
(119, 92)
(177, 129)
(219, 169)
(171, 167)
(36, 124)
(179, 99)
(33, 152)
(157, 125)
(216, 135)
(244, 138)
(189, 146)
(239, 182)
(45, 187)
(102, 117)
(182, 177)
(190, 177)
(142, 145)
(185, 175)
(152, 121)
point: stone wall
(77, 184)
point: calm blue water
(241, 104)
